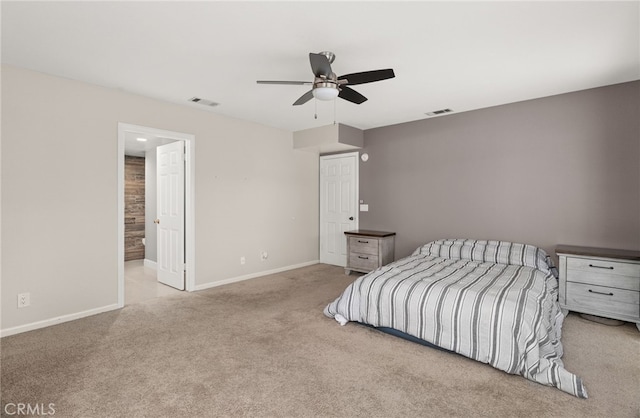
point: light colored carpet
(263, 348)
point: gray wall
(559, 170)
(150, 232)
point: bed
(493, 301)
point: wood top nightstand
(600, 281)
(367, 250)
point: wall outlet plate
(24, 300)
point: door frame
(356, 191)
(189, 190)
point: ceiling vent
(438, 112)
(204, 102)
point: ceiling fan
(327, 86)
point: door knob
(157, 221)
(351, 218)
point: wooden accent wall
(133, 208)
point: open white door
(338, 205)
(170, 219)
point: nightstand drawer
(604, 266)
(364, 245)
(603, 279)
(366, 262)
(603, 299)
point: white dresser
(600, 281)
(367, 250)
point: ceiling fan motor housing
(325, 83)
(328, 82)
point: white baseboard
(57, 320)
(151, 264)
(253, 275)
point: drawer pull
(601, 293)
(601, 267)
(366, 242)
(364, 258)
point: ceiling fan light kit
(326, 92)
(327, 86)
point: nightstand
(367, 250)
(600, 281)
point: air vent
(438, 112)
(204, 102)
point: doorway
(128, 134)
(339, 192)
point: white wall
(59, 194)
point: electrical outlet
(24, 300)
(243, 260)
(264, 255)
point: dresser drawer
(604, 273)
(602, 299)
(363, 245)
(366, 262)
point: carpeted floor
(263, 348)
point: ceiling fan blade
(351, 95)
(295, 83)
(320, 65)
(367, 76)
(304, 98)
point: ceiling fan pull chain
(334, 111)
(315, 112)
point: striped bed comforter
(492, 301)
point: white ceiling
(456, 55)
